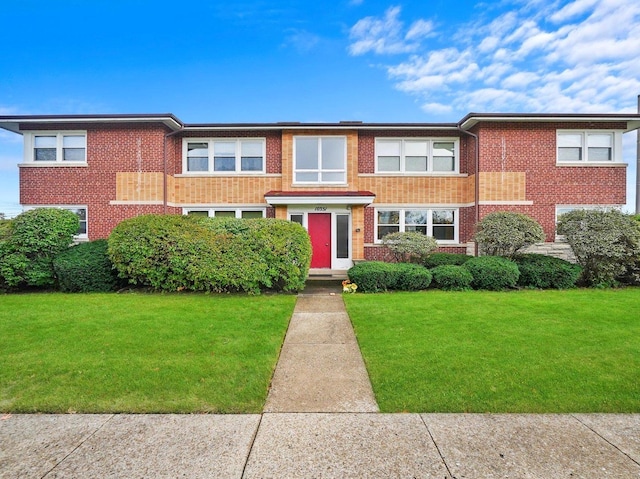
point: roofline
(319, 126)
(472, 119)
(12, 122)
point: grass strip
(139, 353)
(519, 352)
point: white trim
(507, 202)
(418, 206)
(237, 210)
(391, 174)
(210, 159)
(320, 170)
(204, 174)
(134, 202)
(320, 200)
(428, 225)
(430, 141)
(51, 164)
(29, 145)
(616, 147)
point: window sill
(52, 164)
(596, 164)
(378, 243)
(204, 174)
(414, 174)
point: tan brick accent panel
(287, 160)
(419, 189)
(139, 186)
(227, 189)
(281, 212)
(503, 186)
(357, 222)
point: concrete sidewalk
(320, 422)
(282, 445)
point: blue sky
(261, 61)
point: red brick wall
(110, 149)
(531, 148)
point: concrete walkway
(320, 369)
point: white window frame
(30, 141)
(320, 169)
(82, 236)
(430, 142)
(616, 147)
(210, 151)
(429, 225)
(238, 211)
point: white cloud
(575, 56)
(420, 29)
(384, 36)
(301, 40)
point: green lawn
(139, 352)
(526, 351)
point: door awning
(323, 197)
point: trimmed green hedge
(175, 252)
(492, 273)
(546, 272)
(451, 277)
(377, 276)
(86, 268)
(439, 259)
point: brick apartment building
(347, 183)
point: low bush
(493, 273)
(411, 277)
(440, 259)
(376, 276)
(85, 268)
(546, 272)
(373, 276)
(451, 277)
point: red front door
(320, 233)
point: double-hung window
(417, 155)
(582, 147)
(224, 156)
(320, 160)
(56, 147)
(442, 224)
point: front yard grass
(139, 353)
(526, 351)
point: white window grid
(211, 147)
(403, 146)
(76, 139)
(321, 170)
(429, 224)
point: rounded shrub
(411, 277)
(31, 242)
(440, 259)
(504, 233)
(174, 253)
(493, 273)
(546, 272)
(409, 246)
(85, 268)
(373, 276)
(451, 277)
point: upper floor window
(246, 213)
(588, 146)
(56, 147)
(320, 159)
(224, 155)
(417, 155)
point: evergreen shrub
(85, 268)
(439, 259)
(493, 273)
(546, 272)
(451, 277)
